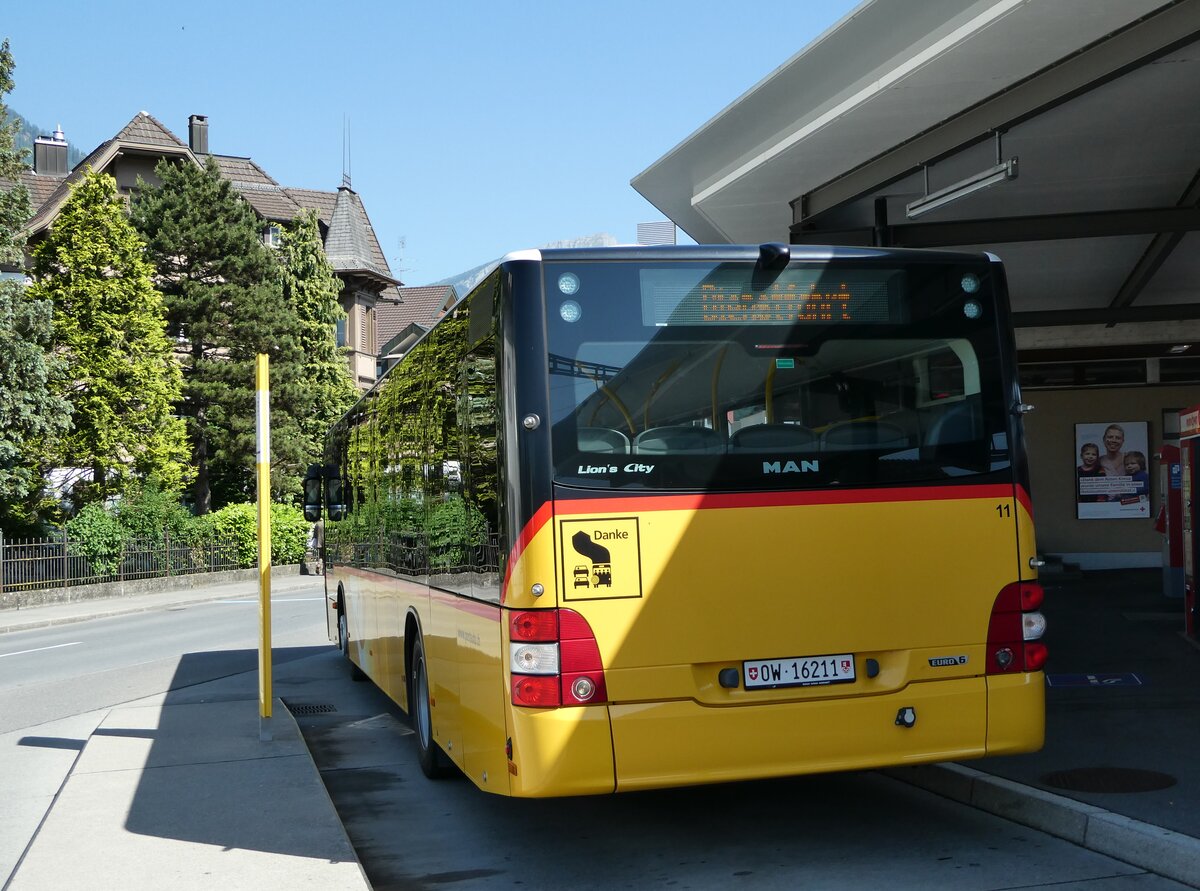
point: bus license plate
(802, 671)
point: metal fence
(57, 562)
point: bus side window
(477, 420)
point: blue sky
(475, 128)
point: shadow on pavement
(205, 776)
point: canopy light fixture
(963, 188)
(1002, 171)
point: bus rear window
(651, 394)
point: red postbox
(1170, 519)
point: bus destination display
(797, 296)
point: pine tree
(31, 415)
(311, 286)
(223, 293)
(120, 375)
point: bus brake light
(535, 691)
(1015, 630)
(574, 678)
(534, 626)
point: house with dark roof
(349, 238)
(401, 322)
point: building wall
(127, 170)
(1050, 433)
(359, 307)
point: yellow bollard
(263, 435)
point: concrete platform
(188, 796)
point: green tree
(120, 375)
(311, 286)
(31, 415)
(223, 293)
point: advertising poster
(1112, 471)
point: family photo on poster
(1112, 470)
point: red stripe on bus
(718, 501)
(532, 528)
(467, 605)
(1024, 500)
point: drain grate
(297, 709)
(1108, 779)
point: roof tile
(422, 306)
(350, 240)
(351, 244)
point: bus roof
(734, 252)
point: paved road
(64, 670)
(841, 831)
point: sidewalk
(188, 796)
(178, 791)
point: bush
(289, 534)
(236, 523)
(239, 523)
(147, 512)
(99, 537)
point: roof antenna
(346, 152)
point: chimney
(50, 154)
(198, 134)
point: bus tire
(356, 673)
(433, 761)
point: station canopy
(1061, 135)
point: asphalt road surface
(840, 831)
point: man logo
(791, 467)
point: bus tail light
(554, 660)
(1015, 630)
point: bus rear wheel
(356, 673)
(433, 761)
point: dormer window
(273, 236)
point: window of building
(1179, 370)
(1109, 373)
(341, 332)
(366, 330)
(273, 236)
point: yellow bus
(629, 518)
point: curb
(325, 789)
(1157, 850)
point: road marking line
(40, 649)
(273, 600)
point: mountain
(465, 281)
(27, 133)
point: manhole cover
(1108, 779)
(297, 709)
